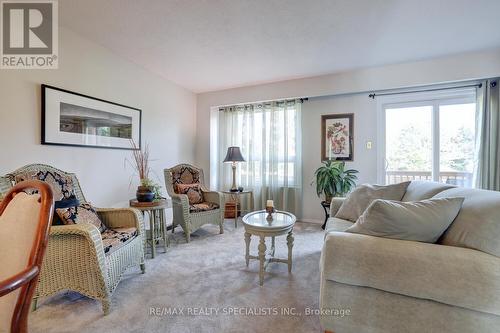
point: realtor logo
(29, 34)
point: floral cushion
(193, 191)
(203, 207)
(62, 185)
(83, 213)
(113, 239)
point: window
(269, 137)
(428, 136)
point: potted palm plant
(333, 180)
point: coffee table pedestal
(256, 224)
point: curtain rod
(302, 100)
(373, 95)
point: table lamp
(234, 155)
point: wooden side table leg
(262, 259)
(237, 197)
(152, 232)
(247, 252)
(289, 242)
(163, 230)
(145, 239)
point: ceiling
(207, 45)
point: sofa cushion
(421, 190)
(422, 221)
(83, 213)
(451, 275)
(113, 239)
(203, 207)
(477, 226)
(359, 199)
(336, 224)
(193, 192)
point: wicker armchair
(75, 258)
(188, 216)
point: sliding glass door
(408, 143)
(428, 137)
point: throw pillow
(193, 191)
(56, 220)
(61, 185)
(359, 199)
(423, 221)
(83, 213)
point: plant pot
(145, 194)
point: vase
(145, 194)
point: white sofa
(387, 285)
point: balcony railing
(462, 179)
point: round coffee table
(257, 224)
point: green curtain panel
(487, 171)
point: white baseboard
(315, 221)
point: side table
(157, 224)
(235, 197)
(326, 208)
(257, 224)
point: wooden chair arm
(18, 280)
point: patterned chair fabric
(113, 239)
(61, 184)
(203, 207)
(107, 255)
(185, 174)
(5, 186)
(193, 216)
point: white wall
(339, 96)
(365, 160)
(168, 113)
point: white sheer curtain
(269, 137)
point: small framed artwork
(337, 137)
(72, 119)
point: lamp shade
(234, 155)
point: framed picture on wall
(337, 137)
(72, 119)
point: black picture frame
(45, 109)
(349, 137)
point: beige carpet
(208, 274)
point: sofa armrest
(76, 237)
(121, 218)
(213, 196)
(335, 205)
(451, 275)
